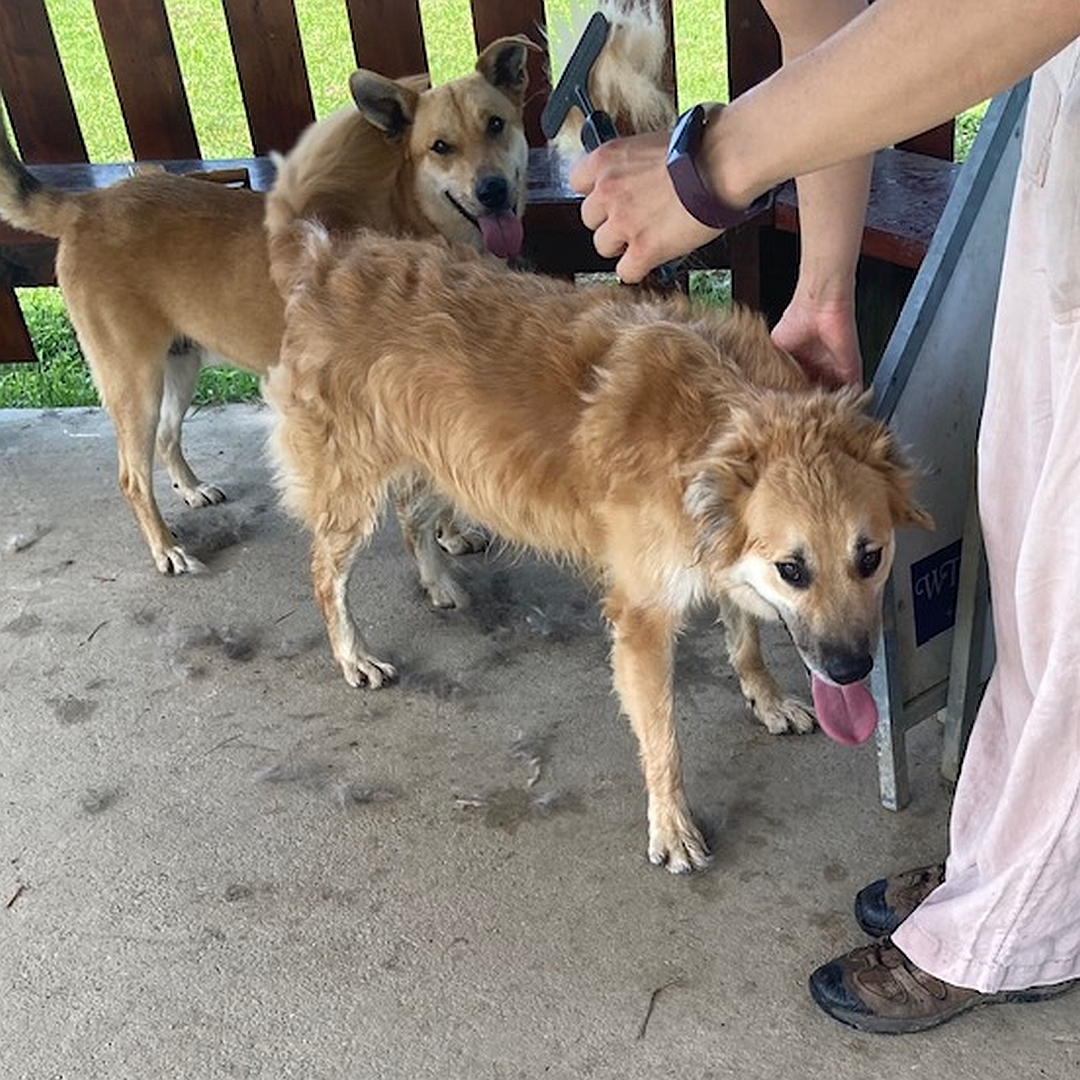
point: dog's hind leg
(643, 663)
(422, 514)
(778, 712)
(131, 389)
(459, 536)
(332, 555)
(181, 374)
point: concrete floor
(217, 860)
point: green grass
(202, 46)
(967, 127)
(60, 377)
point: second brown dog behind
(162, 273)
(675, 455)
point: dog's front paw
(367, 671)
(675, 843)
(786, 715)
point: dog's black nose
(844, 668)
(493, 193)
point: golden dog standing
(1004, 926)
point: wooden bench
(909, 191)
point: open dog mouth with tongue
(500, 227)
(503, 233)
(845, 713)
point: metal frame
(929, 387)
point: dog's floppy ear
(721, 481)
(906, 512)
(704, 501)
(874, 444)
(385, 103)
(502, 64)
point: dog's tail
(284, 237)
(289, 232)
(627, 79)
(24, 201)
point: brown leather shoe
(883, 905)
(877, 988)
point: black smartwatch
(692, 190)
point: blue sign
(935, 582)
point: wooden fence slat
(939, 142)
(388, 37)
(495, 19)
(34, 88)
(146, 74)
(670, 76)
(15, 343)
(753, 45)
(273, 77)
(753, 53)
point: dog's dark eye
(869, 561)
(441, 147)
(794, 573)
(495, 125)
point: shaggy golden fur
(160, 273)
(673, 453)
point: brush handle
(667, 274)
(598, 128)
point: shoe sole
(883, 1025)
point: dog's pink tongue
(847, 714)
(503, 233)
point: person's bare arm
(899, 68)
(818, 326)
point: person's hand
(631, 206)
(823, 339)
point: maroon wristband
(692, 190)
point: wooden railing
(387, 36)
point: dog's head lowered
(797, 504)
(465, 143)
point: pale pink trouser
(1008, 914)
